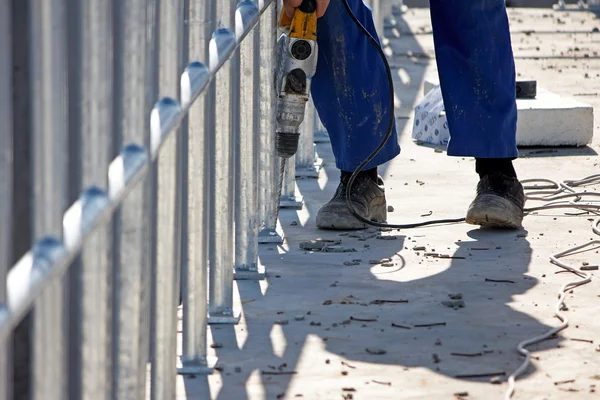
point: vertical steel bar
(194, 280)
(6, 132)
(269, 163)
(49, 131)
(308, 163)
(131, 240)
(220, 304)
(166, 277)
(90, 152)
(246, 206)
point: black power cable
(383, 142)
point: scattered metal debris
(363, 319)
(499, 280)
(419, 248)
(386, 237)
(278, 372)
(216, 345)
(436, 358)
(388, 301)
(390, 209)
(318, 244)
(462, 394)
(455, 304)
(327, 302)
(582, 340)
(466, 354)
(282, 322)
(375, 351)
(338, 249)
(348, 365)
(430, 325)
(351, 263)
(364, 235)
(400, 326)
(438, 342)
(349, 389)
(238, 369)
(479, 248)
(455, 296)
(313, 323)
(485, 375)
(427, 214)
(589, 268)
(299, 317)
(563, 382)
(381, 382)
(496, 380)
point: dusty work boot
(499, 202)
(368, 198)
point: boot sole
(492, 211)
(345, 220)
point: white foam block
(549, 119)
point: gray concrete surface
(323, 355)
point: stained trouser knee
(350, 88)
(477, 76)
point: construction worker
(477, 78)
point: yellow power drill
(296, 65)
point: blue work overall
(477, 77)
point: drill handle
(308, 6)
(303, 25)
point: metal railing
(134, 202)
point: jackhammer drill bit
(296, 54)
(296, 65)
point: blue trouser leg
(477, 76)
(350, 88)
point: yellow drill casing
(301, 26)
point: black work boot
(368, 198)
(499, 202)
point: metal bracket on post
(203, 367)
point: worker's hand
(291, 5)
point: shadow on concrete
(314, 301)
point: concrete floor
(331, 309)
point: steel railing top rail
(50, 257)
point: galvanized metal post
(132, 222)
(289, 198)
(165, 285)
(308, 162)
(268, 162)
(90, 152)
(195, 270)
(49, 140)
(6, 132)
(220, 304)
(246, 206)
